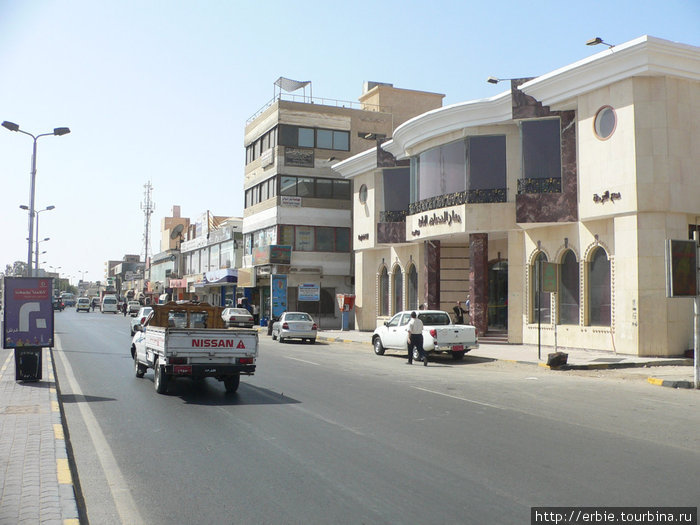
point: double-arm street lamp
(36, 242)
(57, 131)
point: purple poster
(28, 312)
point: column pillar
(431, 274)
(478, 280)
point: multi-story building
(211, 256)
(592, 167)
(297, 221)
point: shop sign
(272, 254)
(309, 292)
(445, 217)
(27, 312)
(290, 201)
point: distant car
(237, 317)
(82, 304)
(133, 308)
(109, 304)
(295, 325)
(141, 317)
(58, 305)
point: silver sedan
(295, 325)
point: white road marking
(462, 399)
(121, 495)
(302, 360)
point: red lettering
(240, 344)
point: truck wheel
(231, 383)
(161, 379)
(274, 337)
(378, 348)
(139, 369)
(457, 356)
(280, 339)
(312, 341)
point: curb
(671, 384)
(66, 487)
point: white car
(83, 304)
(109, 304)
(239, 317)
(295, 325)
(140, 319)
(133, 308)
(439, 334)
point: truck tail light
(433, 333)
(314, 327)
(285, 326)
(246, 360)
(177, 361)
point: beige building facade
(588, 170)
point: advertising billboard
(28, 312)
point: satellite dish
(177, 230)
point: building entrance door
(498, 295)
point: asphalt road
(331, 433)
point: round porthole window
(363, 194)
(605, 122)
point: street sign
(550, 281)
(309, 292)
(28, 312)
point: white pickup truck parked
(439, 334)
(190, 340)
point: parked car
(140, 318)
(83, 303)
(133, 308)
(237, 317)
(295, 325)
(439, 334)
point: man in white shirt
(415, 338)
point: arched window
(397, 288)
(384, 292)
(599, 296)
(412, 286)
(569, 289)
(541, 303)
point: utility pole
(148, 206)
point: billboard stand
(28, 322)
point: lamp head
(594, 41)
(10, 125)
(24, 207)
(50, 207)
(493, 80)
(61, 131)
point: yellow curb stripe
(54, 406)
(71, 521)
(64, 477)
(58, 431)
(655, 381)
(544, 366)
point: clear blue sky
(161, 91)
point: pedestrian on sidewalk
(415, 339)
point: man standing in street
(415, 337)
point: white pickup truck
(439, 334)
(190, 340)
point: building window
(541, 303)
(397, 288)
(342, 240)
(296, 136)
(325, 239)
(541, 142)
(304, 239)
(285, 235)
(569, 289)
(324, 188)
(486, 162)
(384, 292)
(605, 123)
(599, 296)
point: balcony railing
(393, 216)
(303, 99)
(455, 199)
(550, 185)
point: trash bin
(27, 364)
(263, 321)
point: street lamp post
(36, 242)
(57, 131)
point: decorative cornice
(644, 56)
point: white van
(109, 304)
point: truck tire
(378, 348)
(161, 378)
(458, 356)
(139, 369)
(231, 383)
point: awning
(229, 275)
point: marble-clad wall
(478, 280)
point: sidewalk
(674, 372)
(35, 480)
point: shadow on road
(74, 398)
(446, 360)
(210, 392)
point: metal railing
(549, 185)
(455, 199)
(303, 99)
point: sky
(160, 91)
